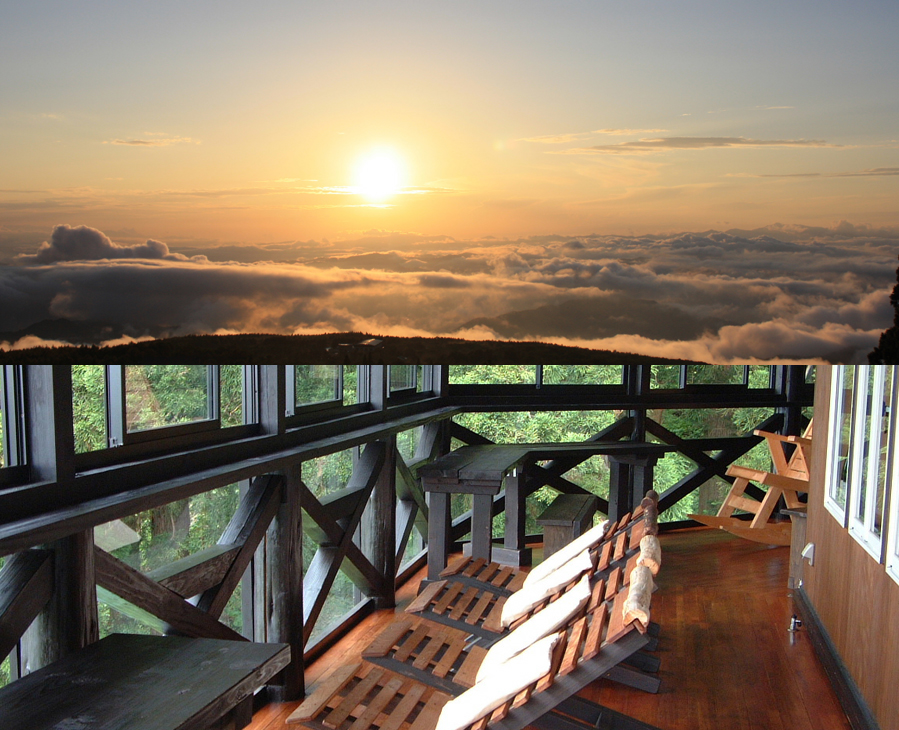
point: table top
(136, 682)
(491, 462)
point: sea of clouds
(779, 292)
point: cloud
(872, 172)
(659, 144)
(158, 139)
(83, 243)
(571, 137)
(782, 291)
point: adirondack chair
(789, 479)
(536, 687)
(472, 593)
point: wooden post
(379, 527)
(514, 551)
(70, 621)
(439, 531)
(285, 572)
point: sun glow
(379, 175)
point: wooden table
(484, 470)
(129, 682)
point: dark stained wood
(69, 621)
(246, 528)
(132, 585)
(284, 554)
(327, 560)
(26, 586)
(141, 683)
(197, 572)
(379, 526)
(99, 496)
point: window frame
(864, 477)
(838, 511)
(15, 450)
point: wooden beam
(69, 621)
(247, 528)
(196, 573)
(359, 570)
(379, 525)
(146, 594)
(26, 586)
(327, 560)
(285, 573)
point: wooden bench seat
(567, 517)
(130, 682)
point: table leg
(482, 526)
(438, 533)
(514, 550)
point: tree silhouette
(887, 350)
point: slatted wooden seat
(789, 479)
(471, 593)
(446, 657)
(363, 696)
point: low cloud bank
(780, 292)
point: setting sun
(379, 175)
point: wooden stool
(568, 517)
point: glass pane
(842, 444)
(166, 395)
(2, 426)
(316, 384)
(665, 376)
(583, 374)
(89, 407)
(4, 672)
(885, 405)
(493, 374)
(350, 389)
(759, 376)
(402, 377)
(714, 374)
(157, 537)
(867, 421)
(231, 383)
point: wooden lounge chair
(364, 696)
(789, 479)
(472, 593)
(447, 657)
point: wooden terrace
(728, 659)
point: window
(873, 410)
(12, 443)
(839, 441)
(582, 374)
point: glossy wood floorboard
(728, 660)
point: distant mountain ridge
(335, 348)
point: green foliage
(583, 374)
(2, 452)
(4, 672)
(489, 374)
(316, 383)
(231, 395)
(165, 395)
(89, 407)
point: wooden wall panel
(857, 602)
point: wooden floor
(728, 660)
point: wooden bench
(569, 516)
(130, 682)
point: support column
(379, 526)
(439, 524)
(514, 550)
(285, 571)
(70, 621)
